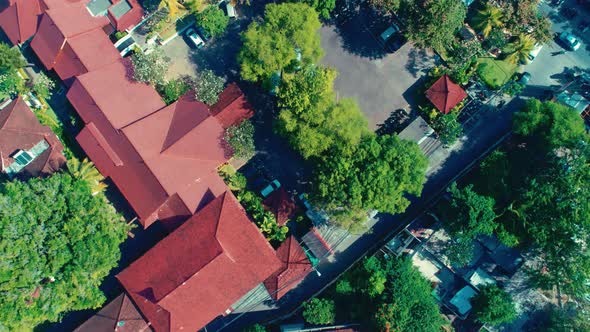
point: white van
(229, 8)
(535, 52)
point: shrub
(241, 139)
(319, 311)
(208, 86)
(172, 90)
(213, 20)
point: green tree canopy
(241, 139)
(255, 328)
(10, 58)
(386, 6)
(57, 243)
(213, 20)
(448, 128)
(319, 311)
(493, 306)
(311, 120)
(377, 174)
(289, 31)
(432, 23)
(520, 49)
(549, 124)
(487, 18)
(323, 7)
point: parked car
(230, 10)
(272, 186)
(203, 33)
(569, 41)
(390, 31)
(525, 78)
(195, 39)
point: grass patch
(495, 73)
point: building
(420, 132)
(20, 19)
(281, 204)
(27, 148)
(444, 94)
(201, 269)
(118, 315)
(574, 100)
(295, 267)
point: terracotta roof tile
(445, 94)
(19, 20)
(232, 107)
(281, 204)
(203, 267)
(118, 315)
(295, 267)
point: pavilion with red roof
(444, 94)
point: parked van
(230, 9)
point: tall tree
(520, 49)
(432, 23)
(311, 120)
(323, 7)
(377, 174)
(493, 306)
(57, 243)
(488, 18)
(84, 170)
(173, 7)
(287, 37)
(319, 311)
(549, 125)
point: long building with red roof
(196, 273)
(294, 267)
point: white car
(195, 38)
(535, 52)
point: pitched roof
(183, 150)
(232, 107)
(20, 130)
(125, 14)
(19, 20)
(295, 267)
(281, 204)
(444, 94)
(73, 47)
(201, 269)
(118, 315)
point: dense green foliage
(387, 295)
(319, 311)
(174, 89)
(213, 20)
(448, 128)
(10, 58)
(255, 328)
(57, 243)
(550, 125)
(241, 139)
(493, 306)
(376, 174)
(424, 23)
(11, 84)
(150, 68)
(289, 31)
(43, 86)
(310, 118)
(208, 86)
(323, 7)
(386, 6)
(487, 18)
(265, 220)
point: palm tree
(174, 6)
(521, 49)
(85, 170)
(488, 18)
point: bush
(448, 128)
(172, 90)
(513, 88)
(319, 311)
(265, 220)
(255, 328)
(150, 68)
(493, 306)
(208, 86)
(241, 139)
(119, 35)
(44, 86)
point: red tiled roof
(20, 130)
(444, 94)
(19, 20)
(232, 107)
(119, 315)
(280, 203)
(295, 267)
(59, 25)
(201, 269)
(130, 19)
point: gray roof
(416, 131)
(121, 9)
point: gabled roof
(280, 203)
(19, 20)
(119, 315)
(232, 107)
(201, 269)
(295, 267)
(125, 14)
(444, 94)
(183, 150)
(20, 130)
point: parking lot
(379, 80)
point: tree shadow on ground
(418, 62)
(395, 123)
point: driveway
(380, 81)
